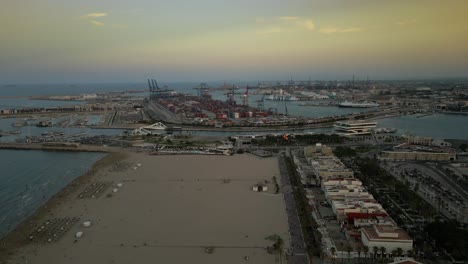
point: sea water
(29, 178)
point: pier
(58, 147)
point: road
(298, 246)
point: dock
(76, 148)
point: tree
(399, 252)
(464, 147)
(278, 246)
(359, 250)
(349, 248)
(366, 251)
(375, 249)
(333, 252)
(382, 251)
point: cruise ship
(277, 97)
(354, 128)
(364, 104)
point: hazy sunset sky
(205, 40)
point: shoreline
(17, 237)
(147, 217)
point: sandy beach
(169, 209)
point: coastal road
(299, 252)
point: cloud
(284, 24)
(272, 30)
(308, 24)
(95, 15)
(333, 30)
(92, 18)
(289, 18)
(328, 30)
(97, 23)
(298, 21)
(405, 22)
(351, 29)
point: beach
(166, 209)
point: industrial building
(404, 155)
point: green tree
(365, 249)
(349, 249)
(399, 252)
(278, 246)
(333, 252)
(359, 250)
(375, 249)
(382, 251)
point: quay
(59, 147)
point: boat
(19, 123)
(385, 130)
(363, 104)
(52, 133)
(276, 97)
(10, 133)
(44, 124)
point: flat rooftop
(384, 232)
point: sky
(69, 41)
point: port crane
(157, 92)
(230, 95)
(261, 102)
(245, 97)
(202, 90)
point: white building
(326, 167)
(389, 237)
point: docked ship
(385, 130)
(44, 124)
(276, 97)
(19, 123)
(364, 104)
(355, 128)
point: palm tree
(333, 252)
(349, 248)
(382, 251)
(399, 252)
(359, 250)
(280, 246)
(416, 252)
(366, 251)
(277, 246)
(375, 249)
